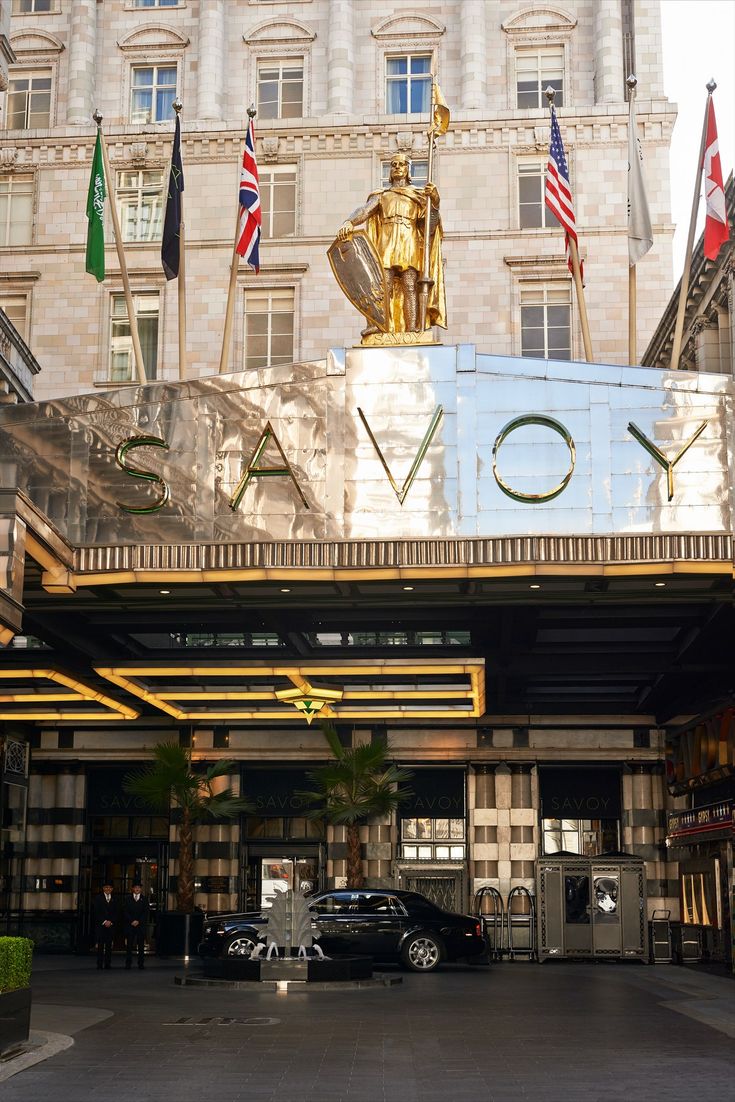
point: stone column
(483, 828)
(730, 277)
(474, 55)
(609, 75)
(706, 344)
(211, 61)
(82, 62)
(340, 58)
(723, 333)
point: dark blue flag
(171, 243)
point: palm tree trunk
(185, 890)
(355, 878)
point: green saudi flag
(96, 215)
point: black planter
(171, 934)
(15, 1017)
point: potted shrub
(16, 954)
(172, 782)
(358, 785)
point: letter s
(135, 472)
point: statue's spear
(438, 125)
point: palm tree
(171, 781)
(358, 785)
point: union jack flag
(248, 226)
(558, 192)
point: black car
(387, 925)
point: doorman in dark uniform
(105, 916)
(135, 916)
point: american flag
(558, 193)
(248, 226)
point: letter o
(546, 422)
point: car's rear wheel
(422, 952)
(241, 945)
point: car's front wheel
(422, 952)
(241, 945)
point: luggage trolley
(488, 906)
(523, 921)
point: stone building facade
(339, 86)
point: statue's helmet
(400, 159)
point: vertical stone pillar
(340, 58)
(211, 60)
(730, 277)
(644, 824)
(724, 333)
(706, 344)
(523, 820)
(82, 62)
(483, 828)
(609, 75)
(474, 55)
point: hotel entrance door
(268, 874)
(122, 870)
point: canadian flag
(716, 230)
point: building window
(16, 310)
(269, 327)
(537, 68)
(16, 210)
(278, 201)
(419, 173)
(587, 837)
(122, 359)
(281, 89)
(532, 210)
(140, 204)
(155, 3)
(152, 94)
(408, 84)
(32, 7)
(433, 839)
(29, 101)
(546, 322)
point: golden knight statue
(381, 257)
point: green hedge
(16, 955)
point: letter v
(659, 456)
(423, 448)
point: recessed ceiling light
(164, 592)
(408, 589)
(659, 585)
(285, 591)
(534, 586)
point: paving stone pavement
(558, 1032)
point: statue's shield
(360, 274)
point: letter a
(254, 471)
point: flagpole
(632, 270)
(576, 270)
(177, 106)
(234, 265)
(426, 282)
(132, 319)
(684, 289)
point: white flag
(640, 234)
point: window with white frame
(122, 361)
(269, 326)
(278, 200)
(424, 839)
(155, 3)
(537, 68)
(419, 172)
(140, 203)
(546, 321)
(33, 7)
(532, 210)
(408, 84)
(152, 93)
(29, 100)
(281, 89)
(16, 209)
(16, 309)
